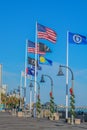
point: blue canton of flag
(31, 44)
(77, 38)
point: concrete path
(9, 122)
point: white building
(4, 89)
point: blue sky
(17, 23)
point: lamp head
(8, 94)
(14, 91)
(60, 73)
(31, 85)
(11, 92)
(42, 79)
(18, 89)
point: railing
(63, 108)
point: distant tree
(10, 101)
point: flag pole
(67, 78)
(25, 76)
(20, 88)
(35, 86)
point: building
(4, 89)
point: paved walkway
(9, 122)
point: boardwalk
(9, 122)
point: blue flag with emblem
(74, 38)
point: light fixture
(42, 79)
(31, 85)
(60, 73)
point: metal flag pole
(0, 81)
(35, 86)
(30, 99)
(21, 89)
(25, 76)
(67, 78)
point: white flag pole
(21, 90)
(30, 99)
(35, 86)
(67, 77)
(25, 75)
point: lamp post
(42, 80)
(19, 92)
(31, 85)
(60, 73)
(16, 92)
(51, 93)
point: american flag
(46, 33)
(32, 49)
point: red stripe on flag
(36, 51)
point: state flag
(44, 60)
(75, 38)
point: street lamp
(51, 93)
(16, 92)
(31, 85)
(60, 73)
(19, 92)
(42, 80)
